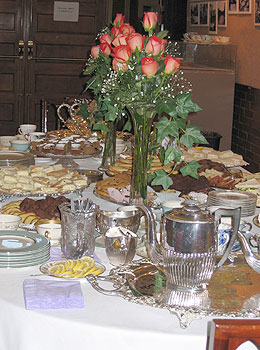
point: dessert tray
(9, 158)
(67, 160)
(39, 180)
(233, 291)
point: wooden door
(11, 66)
(53, 59)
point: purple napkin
(45, 294)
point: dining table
(105, 322)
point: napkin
(45, 294)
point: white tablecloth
(105, 323)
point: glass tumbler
(77, 231)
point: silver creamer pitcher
(188, 249)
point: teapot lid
(191, 212)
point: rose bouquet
(133, 73)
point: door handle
(30, 50)
(21, 49)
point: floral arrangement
(130, 71)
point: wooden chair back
(229, 334)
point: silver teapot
(187, 251)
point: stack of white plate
(23, 248)
(233, 199)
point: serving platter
(233, 291)
(8, 158)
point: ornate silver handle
(93, 280)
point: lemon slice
(57, 269)
(90, 261)
(79, 265)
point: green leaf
(168, 108)
(100, 126)
(127, 126)
(162, 34)
(192, 135)
(166, 127)
(172, 154)
(83, 111)
(185, 105)
(191, 169)
(162, 154)
(150, 177)
(163, 179)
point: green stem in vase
(142, 118)
(109, 154)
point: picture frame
(213, 24)
(244, 7)
(194, 14)
(257, 13)
(222, 13)
(233, 6)
(204, 13)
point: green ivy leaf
(163, 179)
(100, 126)
(168, 108)
(162, 154)
(191, 169)
(166, 127)
(150, 177)
(192, 135)
(185, 105)
(172, 154)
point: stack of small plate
(233, 199)
(23, 248)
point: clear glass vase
(109, 153)
(142, 116)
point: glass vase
(109, 153)
(142, 116)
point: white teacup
(6, 140)
(26, 128)
(50, 231)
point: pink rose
(149, 66)
(115, 31)
(126, 29)
(119, 20)
(105, 38)
(155, 45)
(149, 21)
(105, 48)
(120, 40)
(119, 66)
(172, 64)
(135, 41)
(121, 53)
(95, 51)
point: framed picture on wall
(204, 13)
(213, 18)
(244, 7)
(257, 12)
(222, 13)
(233, 6)
(194, 14)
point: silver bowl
(108, 219)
